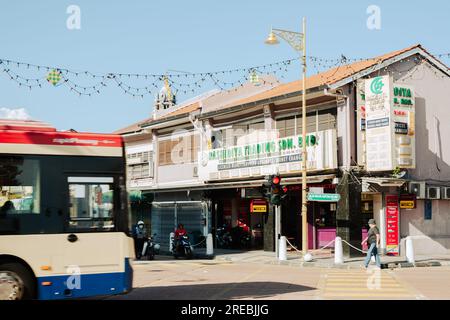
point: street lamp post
(297, 41)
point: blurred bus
(63, 213)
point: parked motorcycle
(241, 238)
(223, 238)
(150, 248)
(182, 247)
(246, 241)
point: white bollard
(410, 250)
(307, 257)
(209, 245)
(282, 255)
(172, 236)
(338, 252)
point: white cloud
(16, 114)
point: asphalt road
(210, 280)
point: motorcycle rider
(181, 231)
(139, 235)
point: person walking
(373, 242)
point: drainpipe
(348, 152)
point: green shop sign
(257, 150)
(324, 197)
(403, 96)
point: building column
(348, 214)
(269, 229)
(277, 234)
(380, 217)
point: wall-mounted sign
(258, 206)
(407, 201)
(392, 225)
(282, 155)
(379, 150)
(404, 119)
(389, 124)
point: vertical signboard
(404, 120)
(379, 129)
(392, 225)
(389, 124)
(361, 119)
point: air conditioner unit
(433, 193)
(445, 193)
(417, 188)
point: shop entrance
(233, 225)
(291, 219)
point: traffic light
(273, 191)
(276, 191)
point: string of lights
(186, 83)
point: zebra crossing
(363, 284)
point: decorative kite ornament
(54, 77)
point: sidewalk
(324, 259)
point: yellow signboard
(258, 206)
(407, 204)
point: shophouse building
(376, 137)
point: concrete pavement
(322, 259)
(220, 279)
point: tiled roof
(132, 128)
(186, 109)
(137, 126)
(328, 77)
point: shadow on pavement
(214, 291)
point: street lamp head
(272, 39)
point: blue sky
(196, 36)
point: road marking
(363, 284)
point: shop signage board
(404, 126)
(392, 224)
(283, 155)
(258, 206)
(407, 201)
(361, 120)
(388, 119)
(324, 197)
(379, 134)
(407, 204)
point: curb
(342, 266)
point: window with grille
(140, 165)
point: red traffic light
(285, 189)
(276, 180)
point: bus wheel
(16, 282)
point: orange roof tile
(132, 128)
(186, 109)
(325, 78)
